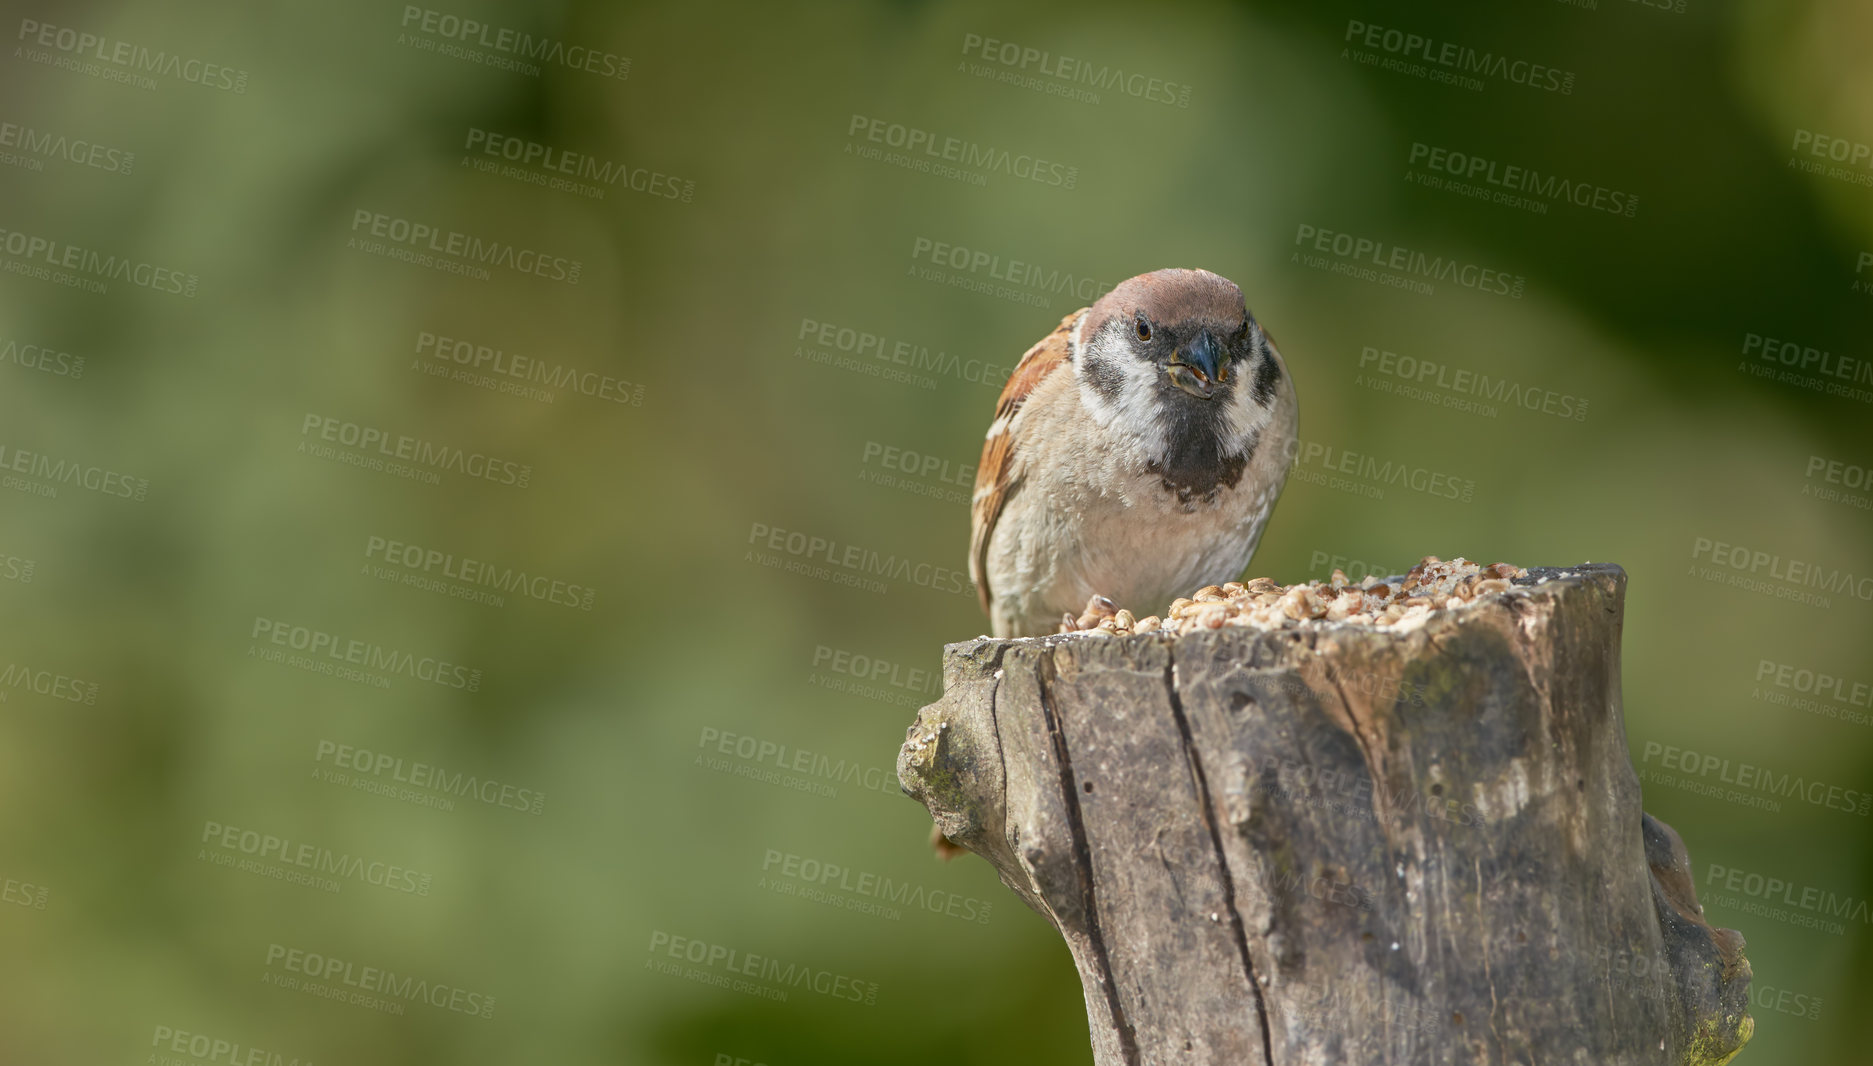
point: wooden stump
(1341, 844)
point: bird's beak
(1199, 368)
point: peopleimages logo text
(1458, 57)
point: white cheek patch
(1244, 415)
(1134, 413)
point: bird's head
(1175, 352)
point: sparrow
(1134, 457)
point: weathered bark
(1341, 845)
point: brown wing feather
(996, 472)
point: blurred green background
(740, 224)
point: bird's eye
(1144, 328)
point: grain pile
(1432, 585)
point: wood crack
(1083, 862)
(1381, 801)
(1222, 861)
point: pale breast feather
(995, 475)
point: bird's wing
(995, 474)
